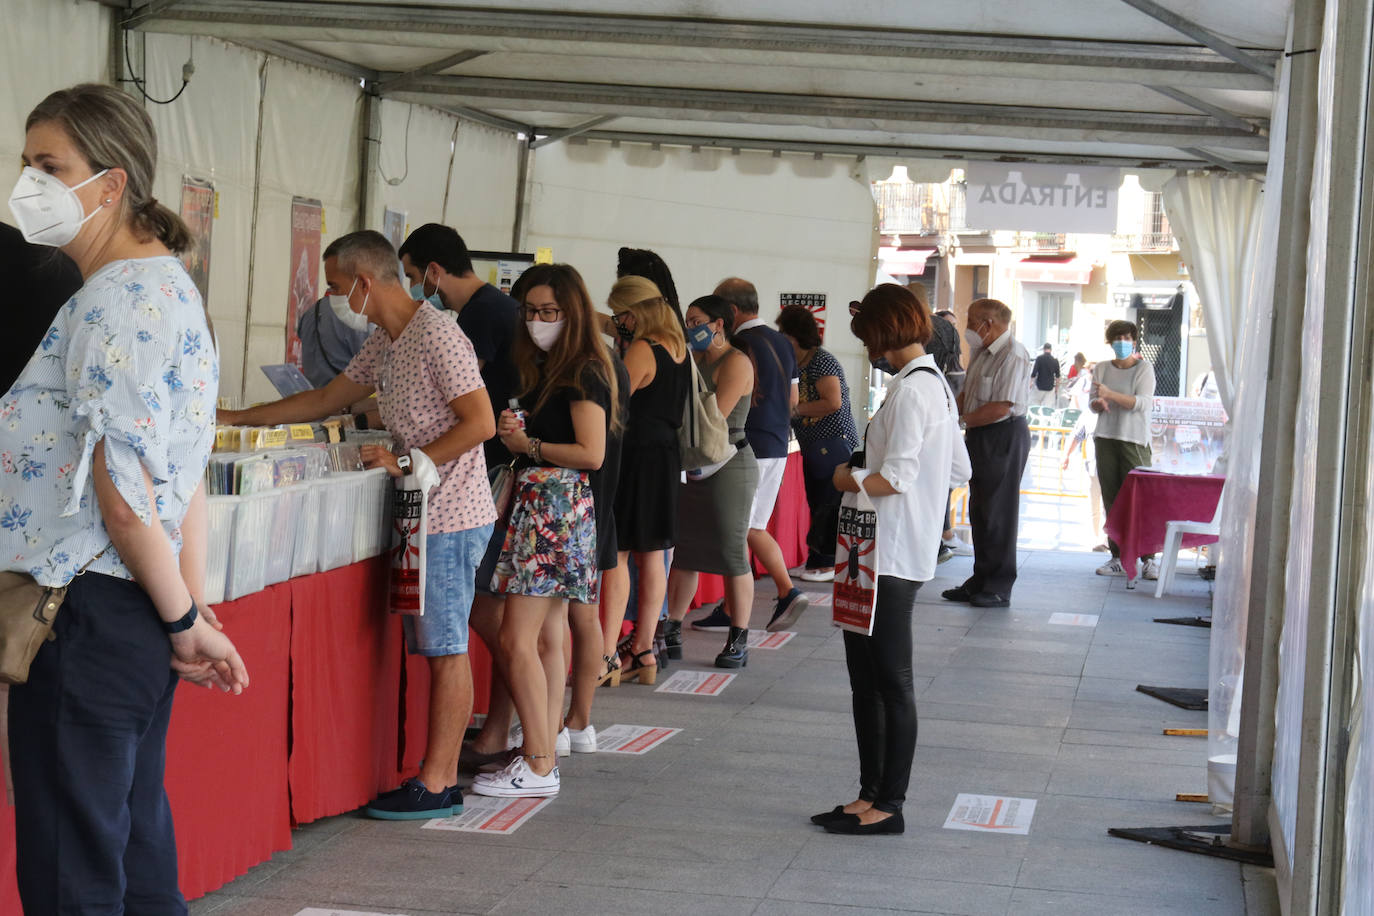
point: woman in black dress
(651, 463)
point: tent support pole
(521, 180)
(253, 228)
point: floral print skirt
(550, 547)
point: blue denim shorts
(450, 562)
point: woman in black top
(549, 558)
(651, 466)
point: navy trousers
(997, 454)
(88, 739)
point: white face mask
(354, 321)
(545, 333)
(47, 211)
(975, 342)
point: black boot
(660, 647)
(736, 651)
(672, 638)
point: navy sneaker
(787, 610)
(717, 621)
(412, 801)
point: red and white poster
(307, 224)
(198, 213)
(856, 565)
(813, 302)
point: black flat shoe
(956, 594)
(989, 599)
(826, 817)
(852, 826)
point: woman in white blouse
(913, 454)
(102, 463)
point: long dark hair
(641, 262)
(112, 131)
(577, 349)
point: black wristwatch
(187, 621)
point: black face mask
(626, 334)
(880, 363)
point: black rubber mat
(1206, 840)
(1186, 621)
(1182, 697)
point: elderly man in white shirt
(992, 405)
(912, 455)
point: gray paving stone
(906, 894)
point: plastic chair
(1173, 542)
(1070, 417)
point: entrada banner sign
(1042, 198)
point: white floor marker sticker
(822, 600)
(632, 739)
(1074, 620)
(321, 911)
(991, 814)
(482, 814)
(698, 683)
(762, 639)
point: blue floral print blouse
(129, 360)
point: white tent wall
(787, 224)
(480, 186)
(46, 45)
(311, 135)
(209, 133)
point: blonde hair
(654, 317)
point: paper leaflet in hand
(410, 511)
(856, 563)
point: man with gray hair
(431, 398)
(992, 407)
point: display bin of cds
(305, 557)
(220, 512)
(281, 538)
(341, 497)
(252, 541)
(372, 530)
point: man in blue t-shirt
(767, 428)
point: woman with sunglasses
(651, 466)
(568, 400)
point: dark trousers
(883, 696)
(824, 502)
(88, 737)
(1115, 459)
(997, 454)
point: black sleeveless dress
(651, 461)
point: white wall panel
(787, 224)
(45, 45)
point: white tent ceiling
(1116, 81)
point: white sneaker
(562, 746)
(515, 738)
(517, 781)
(1111, 568)
(1151, 570)
(959, 547)
(818, 575)
(580, 740)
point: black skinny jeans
(883, 695)
(824, 502)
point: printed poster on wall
(307, 224)
(812, 302)
(198, 212)
(394, 227)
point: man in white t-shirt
(1122, 391)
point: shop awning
(1074, 270)
(899, 261)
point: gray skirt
(713, 518)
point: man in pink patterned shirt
(431, 397)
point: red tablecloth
(1149, 500)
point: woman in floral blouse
(104, 440)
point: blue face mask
(417, 292)
(699, 338)
(1123, 348)
(882, 365)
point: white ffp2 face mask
(545, 333)
(47, 211)
(354, 321)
